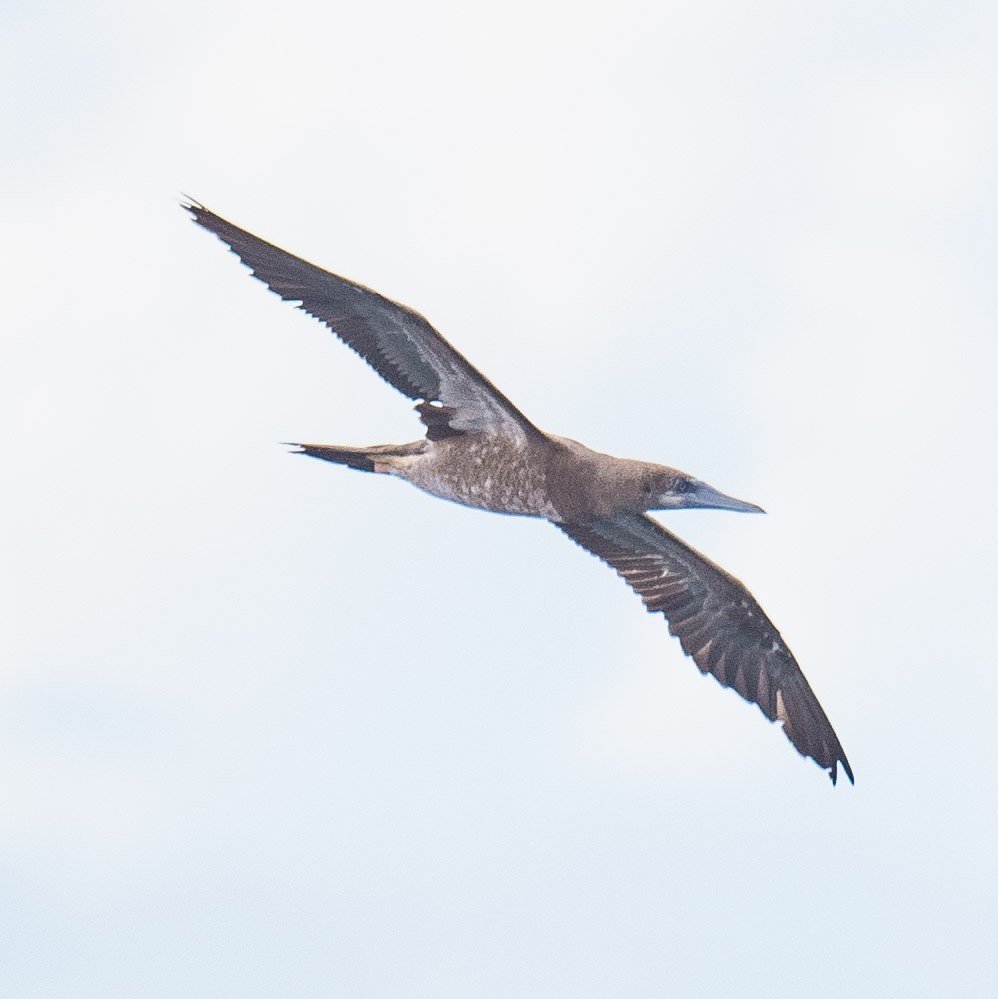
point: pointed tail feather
(375, 458)
(353, 457)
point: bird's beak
(707, 498)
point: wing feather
(394, 340)
(719, 625)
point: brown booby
(481, 451)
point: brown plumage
(481, 451)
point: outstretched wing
(396, 341)
(718, 623)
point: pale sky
(270, 727)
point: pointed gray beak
(707, 498)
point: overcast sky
(269, 727)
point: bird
(479, 450)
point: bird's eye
(682, 486)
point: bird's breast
(488, 473)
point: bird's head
(665, 488)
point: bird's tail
(377, 458)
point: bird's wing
(396, 341)
(718, 623)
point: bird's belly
(490, 477)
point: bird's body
(552, 477)
(486, 472)
(481, 451)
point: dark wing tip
(845, 766)
(191, 205)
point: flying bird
(481, 451)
